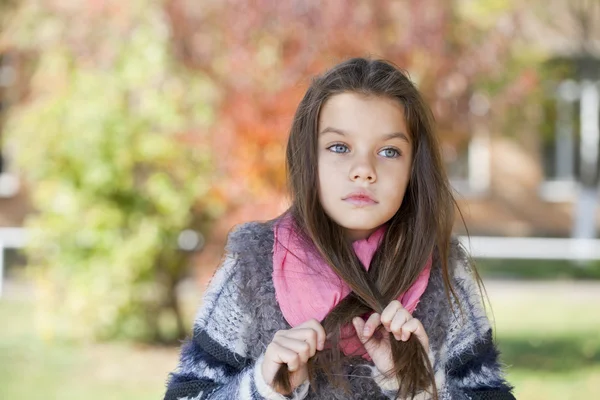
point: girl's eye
(342, 148)
(390, 153)
(338, 148)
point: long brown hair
(422, 225)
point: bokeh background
(135, 134)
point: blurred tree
(260, 53)
(103, 142)
(112, 186)
(6, 7)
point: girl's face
(364, 147)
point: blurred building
(541, 181)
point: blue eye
(338, 146)
(390, 152)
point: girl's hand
(395, 319)
(293, 347)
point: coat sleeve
(470, 367)
(214, 362)
(467, 365)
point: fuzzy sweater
(240, 315)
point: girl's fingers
(359, 326)
(397, 320)
(388, 314)
(283, 355)
(304, 335)
(315, 325)
(372, 323)
(370, 345)
(401, 317)
(415, 327)
(300, 347)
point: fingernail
(321, 344)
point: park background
(134, 135)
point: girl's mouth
(360, 200)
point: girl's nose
(363, 171)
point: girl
(358, 290)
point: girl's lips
(360, 201)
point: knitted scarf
(306, 287)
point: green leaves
(112, 180)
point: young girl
(358, 290)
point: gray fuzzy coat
(240, 315)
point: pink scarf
(305, 292)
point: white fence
(478, 246)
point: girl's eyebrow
(387, 136)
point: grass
(31, 368)
(548, 336)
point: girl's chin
(357, 232)
(357, 221)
